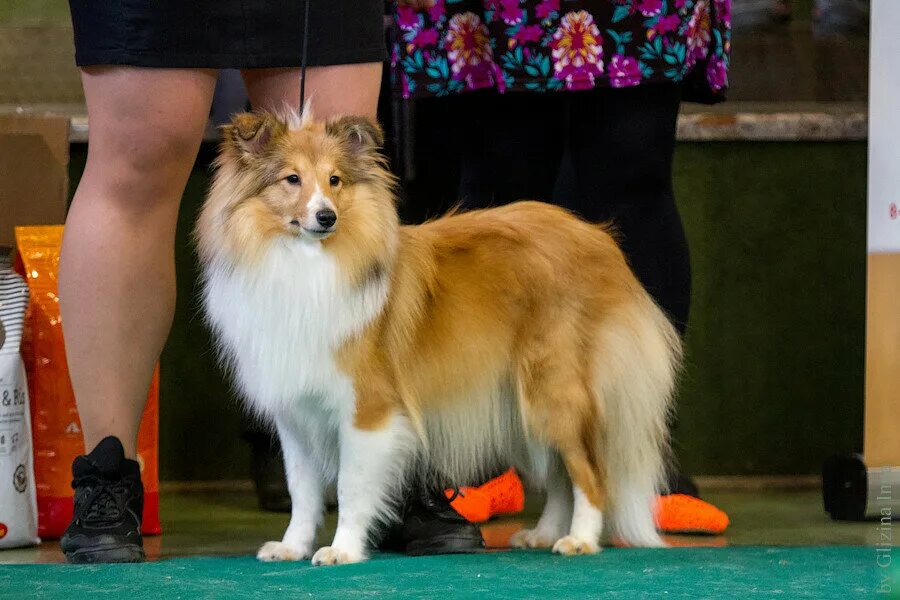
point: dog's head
(283, 176)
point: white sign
(884, 128)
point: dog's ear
(361, 134)
(251, 134)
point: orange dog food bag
(55, 424)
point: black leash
(303, 55)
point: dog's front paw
(279, 551)
(571, 545)
(533, 538)
(329, 555)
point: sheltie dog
(510, 336)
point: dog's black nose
(326, 218)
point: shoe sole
(448, 545)
(107, 554)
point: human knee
(143, 167)
(164, 147)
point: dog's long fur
(515, 335)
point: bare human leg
(117, 272)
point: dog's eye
(334, 180)
(293, 179)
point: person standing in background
(573, 102)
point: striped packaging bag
(18, 504)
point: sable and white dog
(510, 336)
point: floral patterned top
(556, 45)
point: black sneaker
(431, 526)
(109, 502)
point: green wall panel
(774, 374)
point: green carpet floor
(735, 572)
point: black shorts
(221, 34)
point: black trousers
(605, 154)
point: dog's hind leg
(587, 513)
(562, 409)
(557, 514)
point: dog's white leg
(372, 465)
(306, 489)
(556, 516)
(587, 526)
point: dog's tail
(637, 365)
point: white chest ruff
(280, 324)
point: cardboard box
(34, 172)
(882, 425)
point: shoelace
(105, 501)
(439, 504)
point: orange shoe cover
(471, 503)
(680, 513)
(501, 495)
